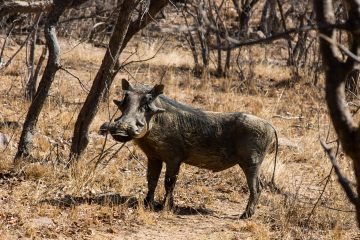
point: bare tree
(337, 71)
(51, 68)
(244, 11)
(269, 21)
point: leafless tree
(337, 71)
(244, 12)
(53, 64)
(269, 21)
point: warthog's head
(137, 109)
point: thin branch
(122, 66)
(344, 182)
(288, 118)
(325, 185)
(341, 47)
(85, 17)
(6, 38)
(33, 28)
(280, 35)
(135, 157)
(82, 85)
(10, 7)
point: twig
(341, 47)
(23, 44)
(325, 185)
(344, 182)
(283, 21)
(276, 36)
(327, 207)
(82, 85)
(135, 157)
(113, 155)
(162, 76)
(13, 133)
(85, 17)
(6, 38)
(143, 60)
(130, 74)
(287, 118)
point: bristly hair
(186, 117)
(171, 104)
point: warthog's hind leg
(255, 187)
(153, 173)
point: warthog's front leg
(255, 187)
(172, 171)
(153, 173)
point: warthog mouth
(121, 137)
(121, 134)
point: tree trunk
(46, 81)
(123, 32)
(245, 15)
(268, 18)
(102, 80)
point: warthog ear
(126, 85)
(157, 90)
(118, 103)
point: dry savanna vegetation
(101, 196)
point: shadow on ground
(116, 199)
(106, 199)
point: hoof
(246, 215)
(148, 204)
(152, 205)
(168, 205)
(274, 189)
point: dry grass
(49, 201)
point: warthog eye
(145, 108)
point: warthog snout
(120, 131)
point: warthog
(171, 132)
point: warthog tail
(275, 160)
(272, 184)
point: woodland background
(293, 63)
